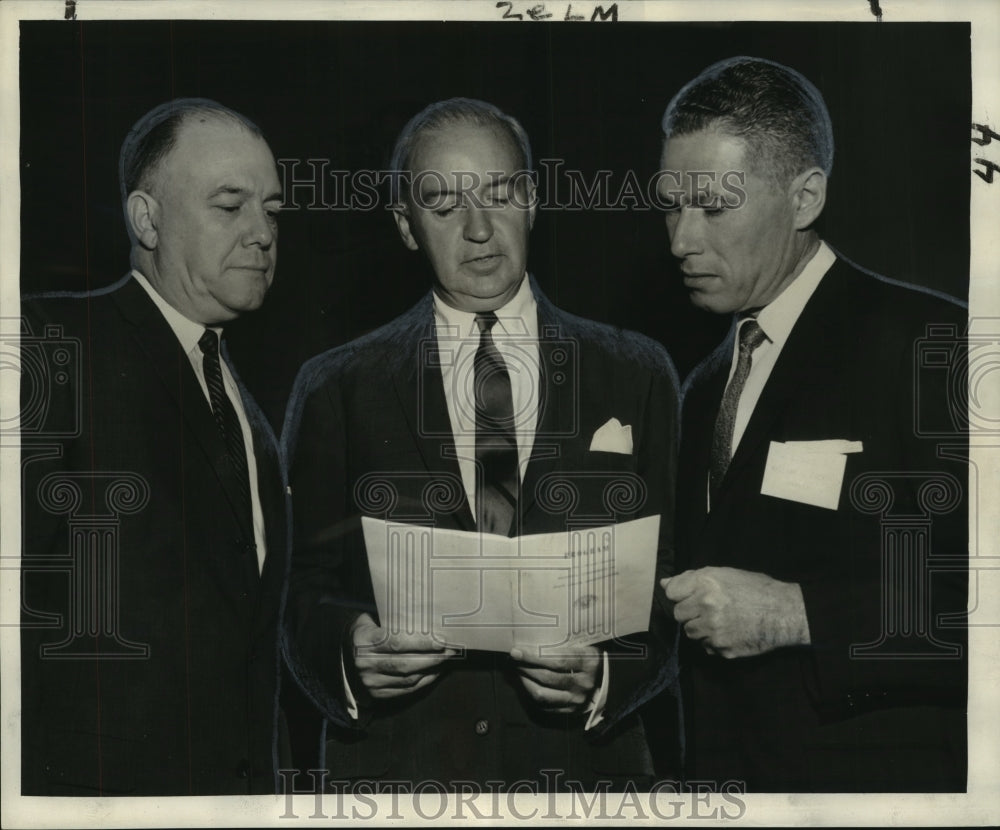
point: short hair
(778, 112)
(449, 113)
(154, 135)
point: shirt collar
(778, 317)
(187, 331)
(517, 317)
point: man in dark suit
(823, 547)
(154, 514)
(484, 408)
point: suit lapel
(171, 366)
(419, 387)
(557, 400)
(274, 506)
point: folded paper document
(544, 591)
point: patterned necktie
(496, 445)
(229, 425)
(751, 336)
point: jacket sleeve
(324, 597)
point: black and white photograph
(613, 440)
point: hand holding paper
(481, 591)
(392, 665)
(736, 613)
(559, 684)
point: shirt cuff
(349, 699)
(600, 698)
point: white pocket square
(613, 437)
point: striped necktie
(496, 445)
(229, 426)
(751, 336)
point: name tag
(808, 472)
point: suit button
(482, 726)
(243, 769)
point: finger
(553, 700)
(386, 692)
(398, 665)
(688, 609)
(546, 678)
(379, 640)
(415, 643)
(697, 630)
(575, 682)
(681, 586)
(582, 660)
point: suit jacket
(149, 645)
(877, 702)
(368, 433)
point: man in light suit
(397, 425)
(154, 512)
(823, 550)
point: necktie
(496, 445)
(229, 425)
(751, 336)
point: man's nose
(261, 227)
(683, 227)
(478, 224)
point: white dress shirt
(516, 337)
(776, 320)
(188, 333)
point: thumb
(680, 586)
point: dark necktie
(496, 445)
(229, 425)
(751, 336)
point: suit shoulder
(359, 355)
(58, 306)
(895, 303)
(628, 349)
(70, 311)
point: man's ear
(401, 215)
(809, 195)
(143, 216)
(532, 203)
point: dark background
(591, 95)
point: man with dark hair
(154, 528)
(823, 547)
(486, 409)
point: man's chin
(711, 302)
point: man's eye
(228, 208)
(445, 211)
